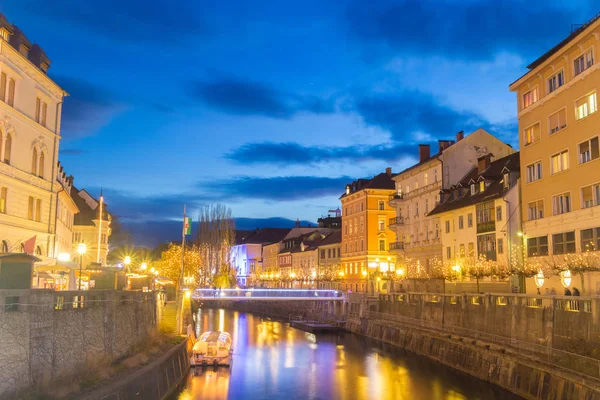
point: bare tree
(216, 236)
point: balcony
(395, 221)
(395, 246)
(394, 197)
(489, 226)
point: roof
(86, 214)
(333, 238)
(381, 181)
(494, 173)
(540, 60)
(262, 236)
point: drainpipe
(53, 177)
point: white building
(418, 244)
(480, 220)
(30, 109)
(91, 227)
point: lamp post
(81, 249)
(127, 261)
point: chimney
(483, 162)
(460, 136)
(444, 144)
(424, 152)
(388, 171)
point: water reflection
(273, 361)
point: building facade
(480, 221)
(365, 237)
(66, 209)
(560, 158)
(91, 227)
(30, 110)
(418, 191)
(330, 273)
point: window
(38, 251)
(506, 180)
(532, 134)
(426, 206)
(381, 244)
(486, 246)
(590, 239)
(559, 162)
(583, 62)
(4, 247)
(30, 208)
(590, 196)
(462, 250)
(448, 253)
(362, 206)
(382, 224)
(473, 190)
(435, 179)
(561, 203)
(585, 106)
(3, 192)
(447, 226)
(471, 249)
(329, 253)
(563, 243)
(362, 245)
(7, 148)
(499, 213)
(38, 210)
(38, 107)
(589, 150)
(530, 97)
(362, 224)
(470, 220)
(3, 86)
(537, 246)
(500, 246)
(34, 160)
(557, 121)
(461, 222)
(417, 209)
(535, 210)
(426, 178)
(481, 186)
(556, 81)
(381, 205)
(44, 113)
(322, 252)
(11, 92)
(534, 172)
(41, 166)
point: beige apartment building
(560, 159)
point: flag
(29, 245)
(187, 226)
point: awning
(52, 277)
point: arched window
(34, 160)
(38, 251)
(22, 248)
(41, 168)
(7, 148)
(4, 247)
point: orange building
(365, 237)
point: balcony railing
(396, 221)
(489, 226)
(396, 246)
(396, 196)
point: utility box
(16, 270)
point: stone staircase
(168, 322)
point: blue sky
(270, 107)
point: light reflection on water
(273, 361)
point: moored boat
(212, 348)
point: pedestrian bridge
(266, 294)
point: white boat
(212, 348)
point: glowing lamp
(400, 271)
(81, 248)
(293, 275)
(127, 260)
(64, 257)
(539, 279)
(364, 273)
(144, 266)
(565, 278)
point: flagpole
(183, 231)
(100, 227)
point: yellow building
(558, 135)
(365, 237)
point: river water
(273, 361)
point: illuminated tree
(169, 264)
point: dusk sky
(272, 107)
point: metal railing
(396, 196)
(396, 246)
(267, 294)
(396, 221)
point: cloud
(296, 154)
(127, 21)
(88, 108)
(244, 97)
(475, 29)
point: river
(273, 361)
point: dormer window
(481, 186)
(4, 34)
(506, 180)
(473, 191)
(347, 189)
(24, 49)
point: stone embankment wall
(46, 336)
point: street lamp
(81, 249)
(127, 261)
(144, 266)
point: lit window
(556, 81)
(583, 62)
(11, 92)
(537, 246)
(382, 225)
(534, 172)
(426, 177)
(535, 210)
(590, 239)
(481, 186)
(557, 121)
(589, 150)
(559, 162)
(3, 34)
(3, 193)
(590, 196)
(585, 106)
(532, 134)
(563, 243)
(561, 203)
(530, 97)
